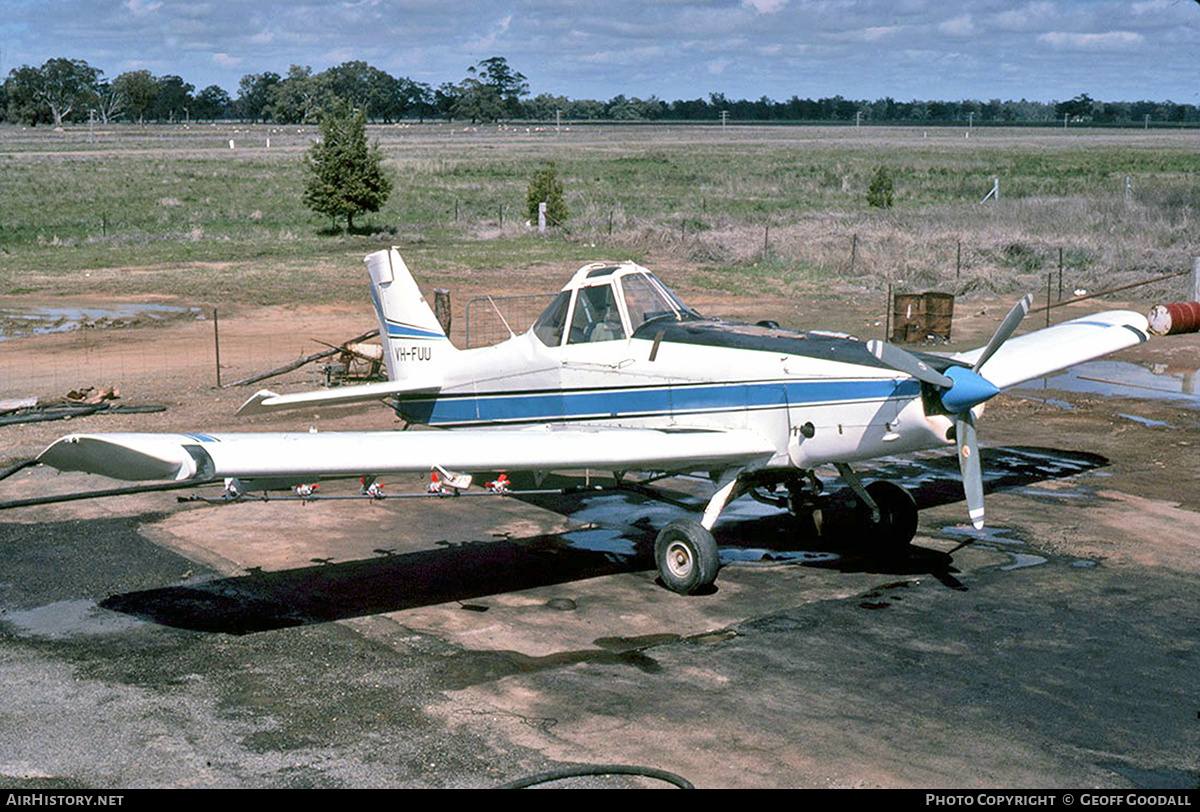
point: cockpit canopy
(604, 302)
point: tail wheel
(686, 555)
(897, 515)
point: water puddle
(62, 619)
(1054, 492)
(601, 540)
(763, 557)
(994, 539)
(613, 522)
(1055, 402)
(1122, 379)
(1145, 421)
(16, 322)
(1154, 778)
(1022, 560)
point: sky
(1046, 50)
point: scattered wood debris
(341, 349)
(76, 403)
(91, 394)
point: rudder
(413, 340)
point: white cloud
(718, 66)
(1152, 6)
(878, 32)
(1029, 17)
(765, 6)
(1108, 41)
(629, 56)
(958, 27)
(873, 34)
(489, 42)
(226, 61)
(142, 7)
(339, 55)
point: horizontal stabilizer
(264, 400)
(1051, 349)
(315, 455)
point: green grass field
(137, 211)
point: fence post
(217, 345)
(1049, 279)
(887, 316)
(542, 218)
(441, 308)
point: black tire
(897, 516)
(686, 556)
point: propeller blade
(1005, 330)
(972, 471)
(906, 362)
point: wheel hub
(679, 559)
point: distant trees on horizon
(69, 90)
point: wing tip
(255, 403)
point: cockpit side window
(644, 300)
(596, 316)
(549, 326)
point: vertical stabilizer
(413, 341)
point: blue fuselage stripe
(397, 330)
(503, 407)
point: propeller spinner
(962, 390)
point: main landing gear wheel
(686, 555)
(897, 516)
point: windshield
(646, 299)
(549, 326)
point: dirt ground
(1058, 649)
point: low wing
(352, 454)
(264, 400)
(1049, 350)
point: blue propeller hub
(969, 390)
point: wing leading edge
(1051, 349)
(264, 400)
(131, 456)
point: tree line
(70, 90)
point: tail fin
(414, 344)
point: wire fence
(186, 351)
(490, 318)
(183, 353)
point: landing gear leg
(897, 510)
(888, 510)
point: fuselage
(816, 397)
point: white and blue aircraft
(619, 375)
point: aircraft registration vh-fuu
(619, 375)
